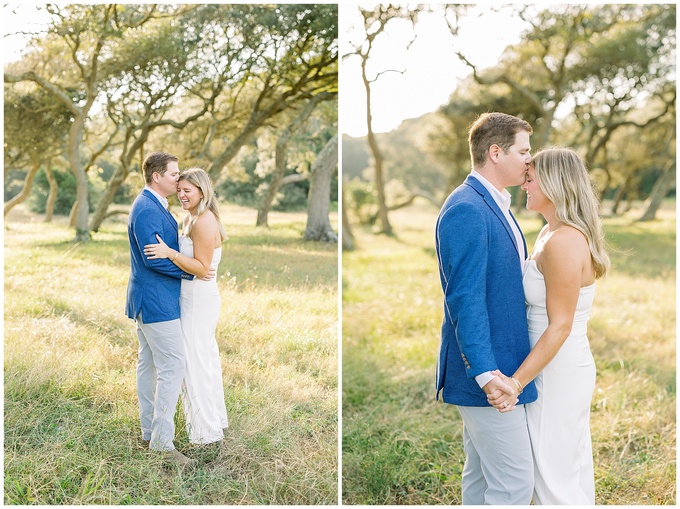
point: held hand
(507, 380)
(501, 392)
(210, 275)
(160, 250)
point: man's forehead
(522, 140)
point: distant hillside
(407, 152)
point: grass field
(71, 416)
(402, 447)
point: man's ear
(494, 152)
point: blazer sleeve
(147, 225)
(464, 247)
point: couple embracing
(173, 296)
(514, 354)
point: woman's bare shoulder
(206, 227)
(566, 242)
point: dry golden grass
(400, 447)
(71, 417)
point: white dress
(559, 421)
(202, 390)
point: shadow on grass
(637, 251)
(269, 263)
(279, 266)
(116, 331)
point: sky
(432, 68)
(19, 17)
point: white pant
(160, 371)
(499, 468)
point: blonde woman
(200, 250)
(559, 286)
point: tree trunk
(385, 225)
(661, 187)
(620, 195)
(348, 243)
(418, 193)
(82, 206)
(256, 120)
(542, 134)
(72, 215)
(292, 178)
(274, 184)
(25, 191)
(280, 158)
(590, 164)
(106, 200)
(52, 196)
(318, 203)
(217, 165)
(629, 204)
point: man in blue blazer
(481, 253)
(153, 301)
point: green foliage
(246, 187)
(14, 182)
(355, 156)
(410, 160)
(242, 189)
(198, 81)
(292, 197)
(361, 199)
(66, 194)
(251, 174)
(35, 126)
(66, 191)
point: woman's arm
(147, 226)
(203, 236)
(561, 263)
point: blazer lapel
(165, 211)
(479, 187)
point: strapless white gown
(202, 390)
(559, 421)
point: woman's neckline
(541, 273)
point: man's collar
(164, 201)
(502, 198)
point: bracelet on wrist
(175, 257)
(519, 385)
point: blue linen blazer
(154, 285)
(485, 324)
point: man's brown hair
(493, 129)
(156, 162)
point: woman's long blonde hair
(200, 179)
(564, 179)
